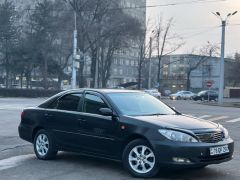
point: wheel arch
(132, 138)
(35, 130)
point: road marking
(218, 118)
(234, 120)
(9, 107)
(204, 116)
(14, 161)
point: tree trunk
(21, 80)
(81, 75)
(7, 72)
(59, 81)
(45, 74)
(93, 66)
(188, 81)
(28, 78)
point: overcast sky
(197, 25)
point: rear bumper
(25, 132)
(196, 154)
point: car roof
(104, 90)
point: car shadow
(116, 169)
(190, 173)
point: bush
(31, 93)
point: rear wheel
(44, 145)
(140, 160)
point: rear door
(62, 119)
(99, 132)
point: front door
(99, 132)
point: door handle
(48, 115)
(81, 120)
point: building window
(132, 63)
(121, 62)
(136, 63)
(120, 71)
(115, 71)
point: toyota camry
(128, 126)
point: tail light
(22, 115)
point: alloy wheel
(42, 144)
(141, 159)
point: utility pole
(150, 64)
(221, 83)
(74, 73)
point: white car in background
(182, 95)
(153, 92)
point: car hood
(178, 121)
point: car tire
(140, 160)
(202, 99)
(178, 98)
(44, 145)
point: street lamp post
(221, 83)
(74, 73)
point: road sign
(209, 83)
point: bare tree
(8, 36)
(205, 53)
(124, 28)
(232, 75)
(102, 25)
(164, 43)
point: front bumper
(196, 154)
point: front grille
(210, 137)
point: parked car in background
(167, 92)
(123, 125)
(182, 95)
(203, 95)
(153, 92)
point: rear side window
(93, 103)
(69, 102)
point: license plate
(219, 150)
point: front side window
(69, 102)
(93, 103)
(139, 104)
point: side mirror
(106, 111)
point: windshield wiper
(155, 114)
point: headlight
(177, 135)
(226, 134)
(225, 131)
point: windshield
(201, 93)
(139, 104)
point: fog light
(181, 160)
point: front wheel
(140, 160)
(44, 145)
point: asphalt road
(17, 160)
